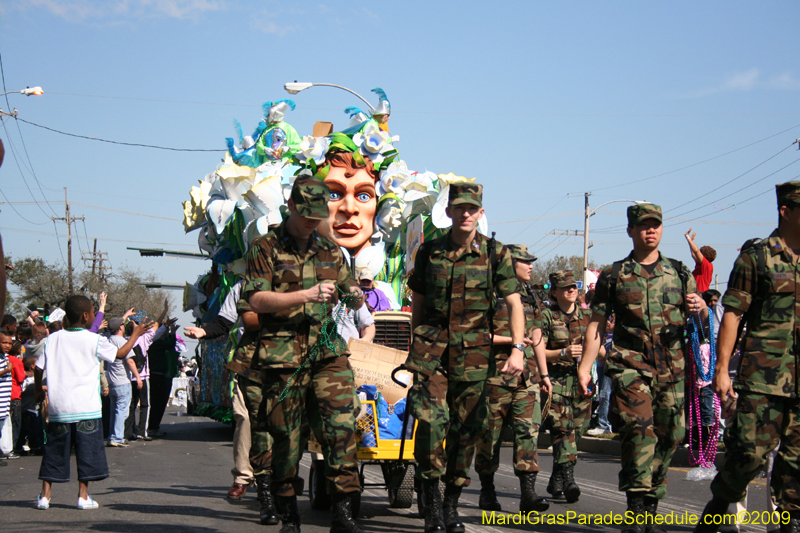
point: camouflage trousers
(260, 439)
(455, 410)
(762, 422)
(322, 393)
(567, 420)
(649, 419)
(519, 408)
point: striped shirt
(5, 387)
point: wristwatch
(563, 353)
(520, 347)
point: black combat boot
(651, 508)
(636, 508)
(556, 485)
(267, 512)
(714, 511)
(488, 498)
(343, 521)
(433, 506)
(571, 490)
(289, 514)
(794, 523)
(450, 509)
(530, 501)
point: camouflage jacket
(274, 263)
(769, 358)
(559, 330)
(649, 330)
(533, 320)
(457, 300)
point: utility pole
(97, 259)
(69, 220)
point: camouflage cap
(788, 193)
(638, 213)
(519, 252)
(311, 196)
(563, 278)
(465, 193)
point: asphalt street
(178, 483)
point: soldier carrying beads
(292, 281)
(651, 296)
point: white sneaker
(42, 503)
(598, 431)
(88, 503)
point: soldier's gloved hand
(584, 380)
(515, 363)
(575, 350)
(322, 292)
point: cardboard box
(373, 364)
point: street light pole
(296, 87)
(587, 214)
(29, 91)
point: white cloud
(266, 22)
(748, 81)
(743, 81)
(785, 82)
(114, 10)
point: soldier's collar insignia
(476, 245)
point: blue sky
(538, 100)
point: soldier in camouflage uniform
(763, 290)
(563, 328)
(454, 280)
(514, 400)
(292, 280)
(650, 295)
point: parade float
(380, 211)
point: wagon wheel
(317, 486)
(402, 496)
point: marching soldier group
(485, 354)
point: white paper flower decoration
(313, 148)
(389, 217)
(373, 143)
(394, 179)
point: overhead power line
(61, 235)
(699, 162)
(120, 142)
(105, 209)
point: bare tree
(542, 269)
(42, 283)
